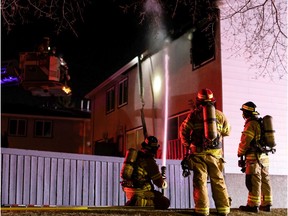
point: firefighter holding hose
(202, 132)
(140, 174)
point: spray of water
(164, 152)
(158, 36)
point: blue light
(6, 79)
(3, 70)
(9, 80)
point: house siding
(240, 85)
(183, 85)
(230, 79)
(71, 135)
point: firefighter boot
(266, 208)
(248, 208)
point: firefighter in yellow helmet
(140, 174)
(257, 162)
(201, 132)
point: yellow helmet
(249, 107)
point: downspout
(153, 99)
(141, 90)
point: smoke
(153, 7)
(157, 28)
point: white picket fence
(48, 178)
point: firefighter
(145, 175)
(257, 163)
(205, 156)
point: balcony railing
(175, 150)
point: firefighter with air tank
(140, 174)
(202, 132)
(257, 140)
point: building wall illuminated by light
(157, 84)
(228, 78)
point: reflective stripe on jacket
(250, 135)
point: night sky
(107, 40)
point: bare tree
(180, 12)
(260, 33)
(259, 26)
(63, 13)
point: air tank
(128, 165)
(268, 131)
(210, 126)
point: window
(17, 127)
(173, 128)
(134, 138)
(203, 45)
(43, 128)
(174, 124)
(123, 92)
(110, 100)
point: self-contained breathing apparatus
(210, 127)
(210, 136)
(266, 143)
(267, 140)
(128, 167)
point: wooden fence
(48, 178)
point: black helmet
(151, 144)
(204, 96)
(249, 108)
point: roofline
(130, 64)
(45, 117)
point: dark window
(110, 100)
(123, 92)
(203, 45)
(17, 127)
(43, 128)
(173, 126)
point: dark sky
(106, 41)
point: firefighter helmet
(249, 108)
(205, 95)
(151, 144)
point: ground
(121, 211)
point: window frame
(123, 92)
(18, 126)
(110, 100)
(44, 128)
(180, 117)
(134, 138)
(204, 44)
